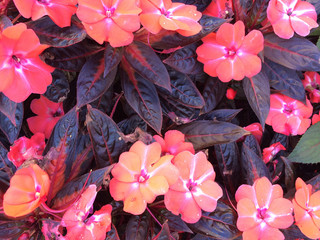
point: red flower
(60, 11)
(231, 93)
(195, 188)
(77, 224)
(112, 21)
(311, 83)
(229, 54)
(141, 175)
(262, 210)
(158, 14)
(289, 16)
(21, 70)
(270, 152)
(29, 187)
(24, 149)
(173, 143)
(315, 118)
(289, 116)
(256, 130)
(219, 8)
(48, 113)
(306, 206)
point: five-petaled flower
(219, 8)
(163, 14)
(306, 206)
(311, 83)
(48, 114)
(173, 143)
(262, 210)
(21, 70)
(289, 16)
(60, 11)
(195, 188)
(269, 152)
(229, 54)
(29, 188)
(141, 175)
(24, 149)
(113, 21)
(76, 221)
(289, 116)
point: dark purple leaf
(112, 234)
(289, 175)
(105, 137)
(137, 227)
(283, 139)
(55, 36)
(112, 58)
(147, 63)
(6, 166)
(213, 92)
(203, 133)
(164, 233)
(8, 108)
(142, 96)
(105, 102)
(257, 91)
(227, 156)
(128, 125)
(285, 80)
(223, 115)
(7, 127)
(176, 224)
(241, 8)
(11, 229)
(200, 4)
(296, 53)
(91, 84)
(185, 60)
(58, 90)
(50, 229)
(258, 13)
(4, 22)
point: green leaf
(308, 148)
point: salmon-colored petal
(263, 189)
(298, 125)
(210, 67)
(274, 14)
(283, 28)
(315, 200)
(15, 196)
(127, 7)
(245, 191)
(231, 35)
(253, 42)
(268, 233)
(149, 154)
(302, 24)
(10, 35)
(19, 210)
(247, 212)
(202, 169)
(134, 203)
(24, 7)
(165, 168)
(252, 63)
(38, 11)
(185, 12)
(90, 12)
(173, 137)
(161, 141)
(7, 75)
(207, 194)
(38, 124)
(56, 11)
(308, 227)
(127, 23)
(211, 51)
(120, 190)
(151, 22)
(158, 185)
(24, 182)
(280, 213)
(33, 42)
(168, 23)
(147, 194)
(185, 146)
(19, 90)
(184, 162)
(128, 168)
(299, 211)
(279, 124)
(303, 8)
(99, 31)
(231, 69)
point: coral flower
(141, 175)
(77, 224)
(289, 116)
(231, 93)
(289, 16)
(256, 130)
(311, 83)
(60, 11)
(173, 143)
(307, 209)
(112, 21)
(48, 113)
(21, 70)
(163, 14)
(262, 210)
(219, 8)
(315, 118)
(270, 152)
(29, 188)
(195, 188)
(24, 149)
(229, 54)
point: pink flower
(256, 130)
(21, 70)
(79, 225)
(195, 189)
(306, 205)
(289, 16)
(60, 11)
(174, 143)
(229, 54)
(262, 210)
(289, 116)
(270, 152)
(48, 113)
(315, 118)
(219, 8)
(311, 83)
(24, 149)
(231, 93)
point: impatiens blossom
(163, 14)
(21, 70)
(76, 220)
(25, 148)
(141, 175)
(229, 54)
(306, 207)
(48, 114)
(219, 8)
(289, 16)
(289, 116)
(112, 21)
(311, 83)
(60, 11)
(29, 188)
(174, 143)
(262, 210)
(231, 93)
(315, 118)
(195, 189)
(270, 152)
(256, 130)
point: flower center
(57, 113)
(314, 85)
(17, 61)
(143, 176)
(288, 109)
(109, 12)
(289, 12)
(262, 213)
(165, 12)
(230, 52)
(37, 193)
(191, 184)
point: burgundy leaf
(112, 58)
(137, 227)
(8, 108)
(58, 90)
(241, 7)
(176, 224)
(223, 115)
(258, 13)
(200, 4)
(164, 233)
(4, 21)
(12, 229)
(289, 175)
